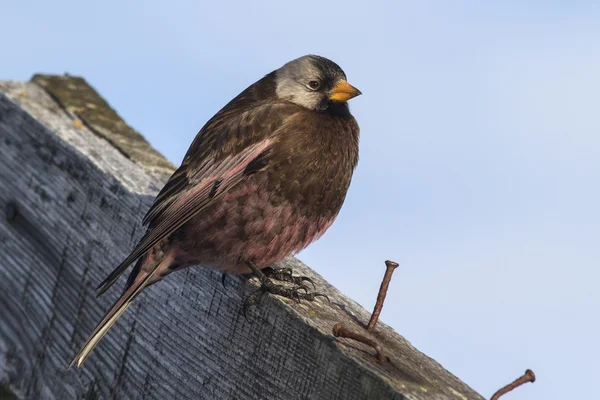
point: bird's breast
(250, 222)
(312, 165)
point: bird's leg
(285, 275)
(268, 286)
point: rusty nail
(340, 330)
(529, 376)
(390, 266)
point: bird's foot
(285, 275)
(297, 292)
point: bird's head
(313, 82)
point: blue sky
(480, 152)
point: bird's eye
(314, 85)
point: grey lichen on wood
(70, 209)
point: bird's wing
(227, 149)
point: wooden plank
(70, 210)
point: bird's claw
(285, 275)
(312, 296)
(296, 293)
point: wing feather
(227, 149)
(190, 203)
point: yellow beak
(343, 91)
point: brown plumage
(265, 177)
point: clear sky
(480, 152)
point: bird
(263, 178)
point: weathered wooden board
(70, 210)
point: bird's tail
(143, 280)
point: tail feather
(111, 317)
(113, 276)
